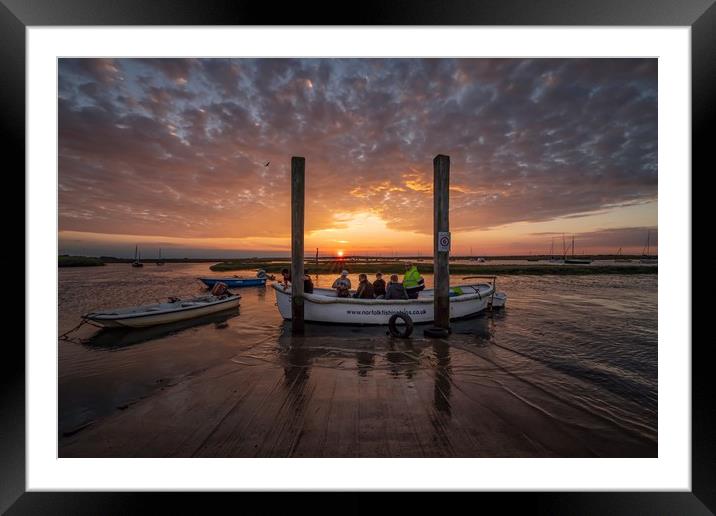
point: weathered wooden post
(298, 166)
(441, 239)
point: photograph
(357, 257)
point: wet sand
(241, 386)
(375, 397)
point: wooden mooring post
(441, 240)
(298, 166)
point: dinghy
(234, 282)
(162, 313)
(324, 306)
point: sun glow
(340, 253)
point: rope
(64, 336)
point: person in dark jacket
(307, 283)
(379, 286)
(395, 289)
(365, 288)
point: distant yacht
(136, 262)
(646, 256)
(160, 261)
(620, 257)
(576, 261)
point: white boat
(324, 306)
(163, 313)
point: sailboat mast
(572, 245)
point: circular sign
(445, 241)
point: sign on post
(443, 241)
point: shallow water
(568, 369)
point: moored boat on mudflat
(162, 313)
(324, 306)
(234, 282)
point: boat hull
(174, 312)
(323, 307)
(234, 282)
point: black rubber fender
(393, 327)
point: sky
(193, 155)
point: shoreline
(456, 268)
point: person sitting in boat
(379, 286)
(395, 289)
(261, 274)
(342, 285)
(365, 288)
(307, 283)
(286, 276)
(413, 281)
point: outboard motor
(219, 289)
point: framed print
(251, 293)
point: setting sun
(340, 253)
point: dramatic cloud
(178, 147)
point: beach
(568, 369)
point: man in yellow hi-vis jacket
(412, 281)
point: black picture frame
(17, 15)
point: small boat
(234, 282)
(136, 262)
(162, 313)
(324, 306)
(126, 336)
(160, 261)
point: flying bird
(267, 164)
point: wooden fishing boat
(163, 313)
(234, 282)
(324, 306)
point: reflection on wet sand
(442, 377)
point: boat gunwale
(325, 300)
(92, 316)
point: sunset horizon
(192, 155)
